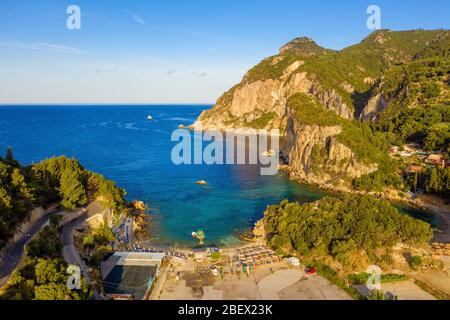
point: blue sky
(171, 51)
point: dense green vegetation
(409, 74)
(361, 278)
(366, 60)
(352, 65)
(369, 146)
(418, 109)
(435, 180)
(43, 273)
(57, 179)
(261, 122)
(349, 229)
(98, 243)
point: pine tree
(5, 200)
(432, 184)
(71, 190)
(415, 182)
(9, 159)
(22, 190)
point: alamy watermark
(73, 21)
(74, 279)
(374, 279)
(374, 20)
(227, 147)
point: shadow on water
(420, 214)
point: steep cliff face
(344, 85)
(262, 103)
(315, 155)
(259, 101)
(376, 104)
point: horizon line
(18, 104)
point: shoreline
(425, 203)
(438, 206)
(430, 204)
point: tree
(71, 190)
(47, 244)
(5, 200)
(52, 291)
(49, 271)
(19, 183)
(432, 184)
(89, 242)
(341, 227)
(416, 262)
(103, 235)
(9, 159)
(55, 220)
(415, 182)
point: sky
(166, 51)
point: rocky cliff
(333, 88)
(316, 156)
(262, 103)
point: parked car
(311, 271)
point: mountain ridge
(349, 83)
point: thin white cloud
(43, 46)
(57, 48)
(212, 50)
(135, 17)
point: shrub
(415, 262)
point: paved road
(12, 256)
(70, 252)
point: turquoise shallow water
(120, 143)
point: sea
(123, 144)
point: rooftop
(132, 280)
(130, 273)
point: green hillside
(53, 180)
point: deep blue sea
(120, 143)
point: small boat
(149, 117)
(202, 182)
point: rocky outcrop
(313, 152)
(259, 231)
(303, 46)
(347, 82)
(374, 106)
(252, 101)
(315, 155)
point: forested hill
(354, 231)
(52, 180)
(341, 111)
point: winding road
(13, 253)
(70, 252)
